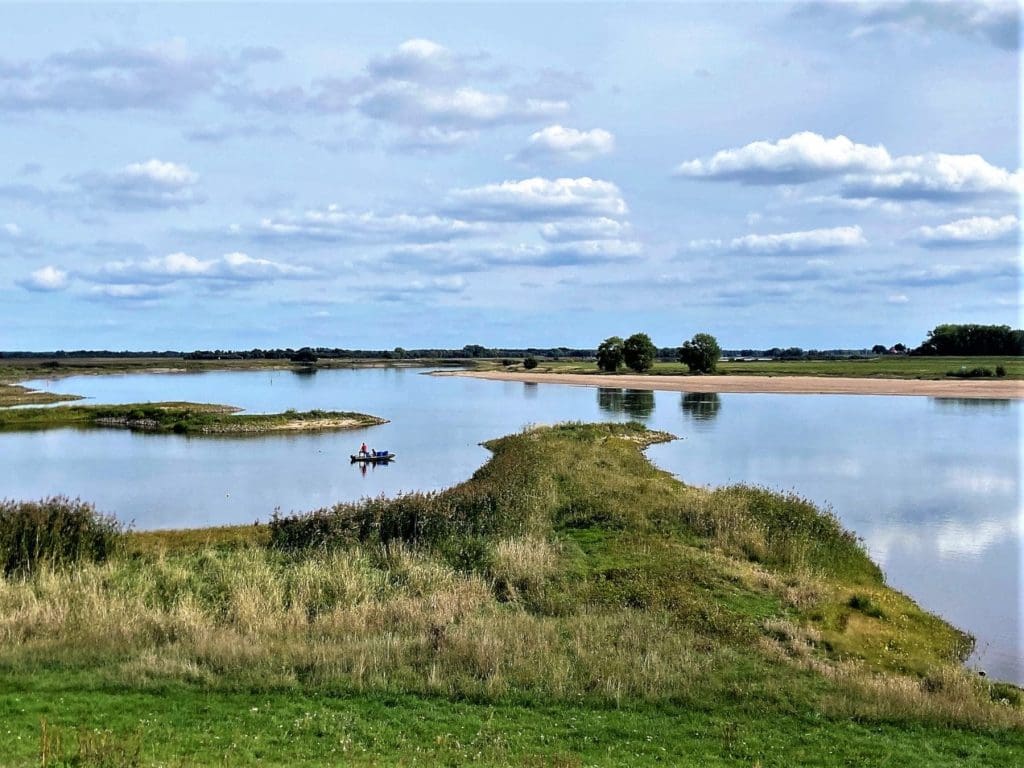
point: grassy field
(885, 367)
(586, 611)
(179, 418)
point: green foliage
(879, 349)
(978, 372)
(638, 352)
(529, 363)
(610, 354)
(701, 353)
(972, 340)
(55, 532)
(1000, 370)
(304, 355)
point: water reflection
(701, 406)
(635, 403)
(530, 390)
(971, 403)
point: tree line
(700, 354)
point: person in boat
(362, 450)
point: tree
(638, 352)
(879, 349)
(701, 353)
(530, 363)
(304, 355)
(609, 354)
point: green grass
(13, 394)
(587, 611)
(179, 418)
(885, 367)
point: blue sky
(235, 176)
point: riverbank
(993, 389)
(587, 611)
(181, 418)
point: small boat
(372, 458)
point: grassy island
(180, 418)
(568, 605)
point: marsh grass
(54, 532)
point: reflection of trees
(635, 403)
(530, 389)
(975, 403)
(701, 406)
(305, 370)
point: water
(932, 486)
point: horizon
(431, 176)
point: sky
(234, 176)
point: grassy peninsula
(568, 605)
(180, 418)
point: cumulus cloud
(418, 60)
(809, 241)
(558, 143)
(335, 224)
(174, 267)
(601, 228)
(145, 185)
(802, 157)
(993, 21)
(466, 107)
(539, 199)
(166, 76)
(976, 230)
(47, 279)
(867, 172)
(935, 177)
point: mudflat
(991, 389)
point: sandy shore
(987, 389)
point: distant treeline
(961, 340)
(948, 339)
(468, 351)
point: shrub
(972, 373)
(55, 531)
(1000, 371)
(530, 363)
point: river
(933, 486)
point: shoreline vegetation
(180, 418)
(588, 611)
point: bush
(1000, 371)
(530, 363)
(55, 531)
(972, 373)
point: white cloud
(897, 298)
(46, 279)
(466, 107)
(601, 228)
(417, 60)
(12, 229)
(150, 184)
(809, 241)
(539, 199)
(335, 224)
(976, 230)
(231, 267)
(866, 171)
(557, 142)
(935, 176)
(994, 21)
(802, 157)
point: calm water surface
(932, 486)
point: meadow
(569, 604)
